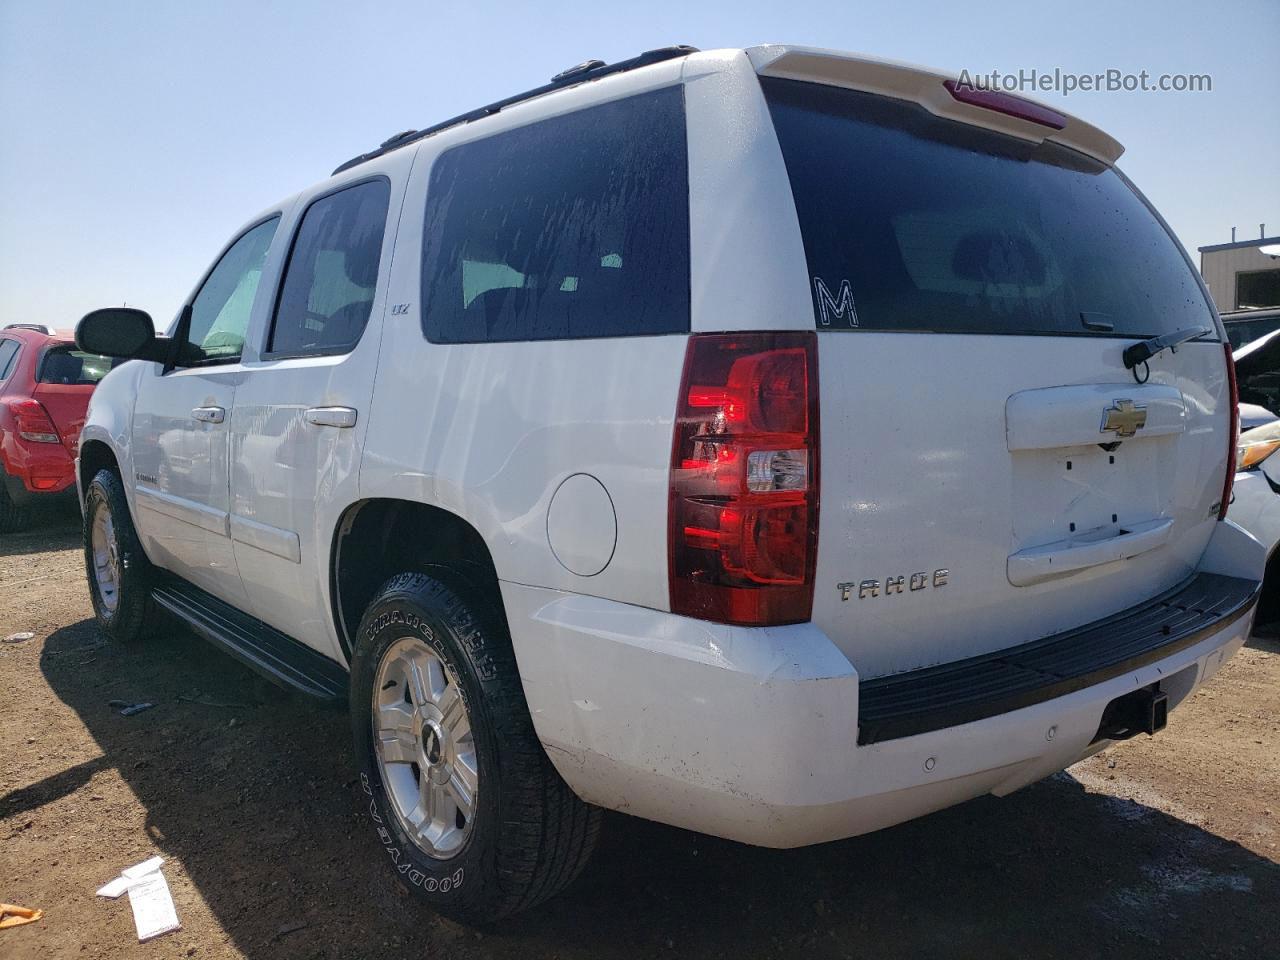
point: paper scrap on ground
(116, 887)
(153, 910)
(121, 883)
(143, 868)
(12, 915)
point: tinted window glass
(8, 350)
(577, 226)
(74, 367)
(220, 311)
(912, 222)
(1240, 332)
(328, 287)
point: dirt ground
(1158, 848)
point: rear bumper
(752, 734)
(47, 478)
(34, 470)
(950, 694)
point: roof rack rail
(587, 70)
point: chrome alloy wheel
(425, 749)
(106, 558)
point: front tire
(120, 576)
(463, 799)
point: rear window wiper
(1144, 350)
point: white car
(776, 443)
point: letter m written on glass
(834, 308)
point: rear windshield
(67, 366)
(912, 222)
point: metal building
(1243, 275)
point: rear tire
(12, 517)
(119, 573)
(511, 833)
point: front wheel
(464, 801)
(119, 574)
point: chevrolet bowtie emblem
(1124, 418)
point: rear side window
(329, 281)
(64, 365)
(8, 350)
(576, 226)
(913, 222)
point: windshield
(913, 222)
(68, 366)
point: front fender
(109, 420)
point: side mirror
(121, 332)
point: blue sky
(135, 137)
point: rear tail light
(33, 421)
(1234, 434)
(743, 516)
(1229, 482)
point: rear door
(302, 410)
(991, 473)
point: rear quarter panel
(490, 431)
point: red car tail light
(33, 421)
(1234, 435)
(743, 515)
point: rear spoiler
(939, 94)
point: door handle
(331, 416)
(209, 414)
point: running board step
(261, 648)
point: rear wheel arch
(376, 539)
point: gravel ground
(1158, 848)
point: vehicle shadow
(1266, 637)
(54, 526)
(258, 802)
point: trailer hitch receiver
(1142, 711)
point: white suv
(776, 443)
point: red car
(45, 383)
